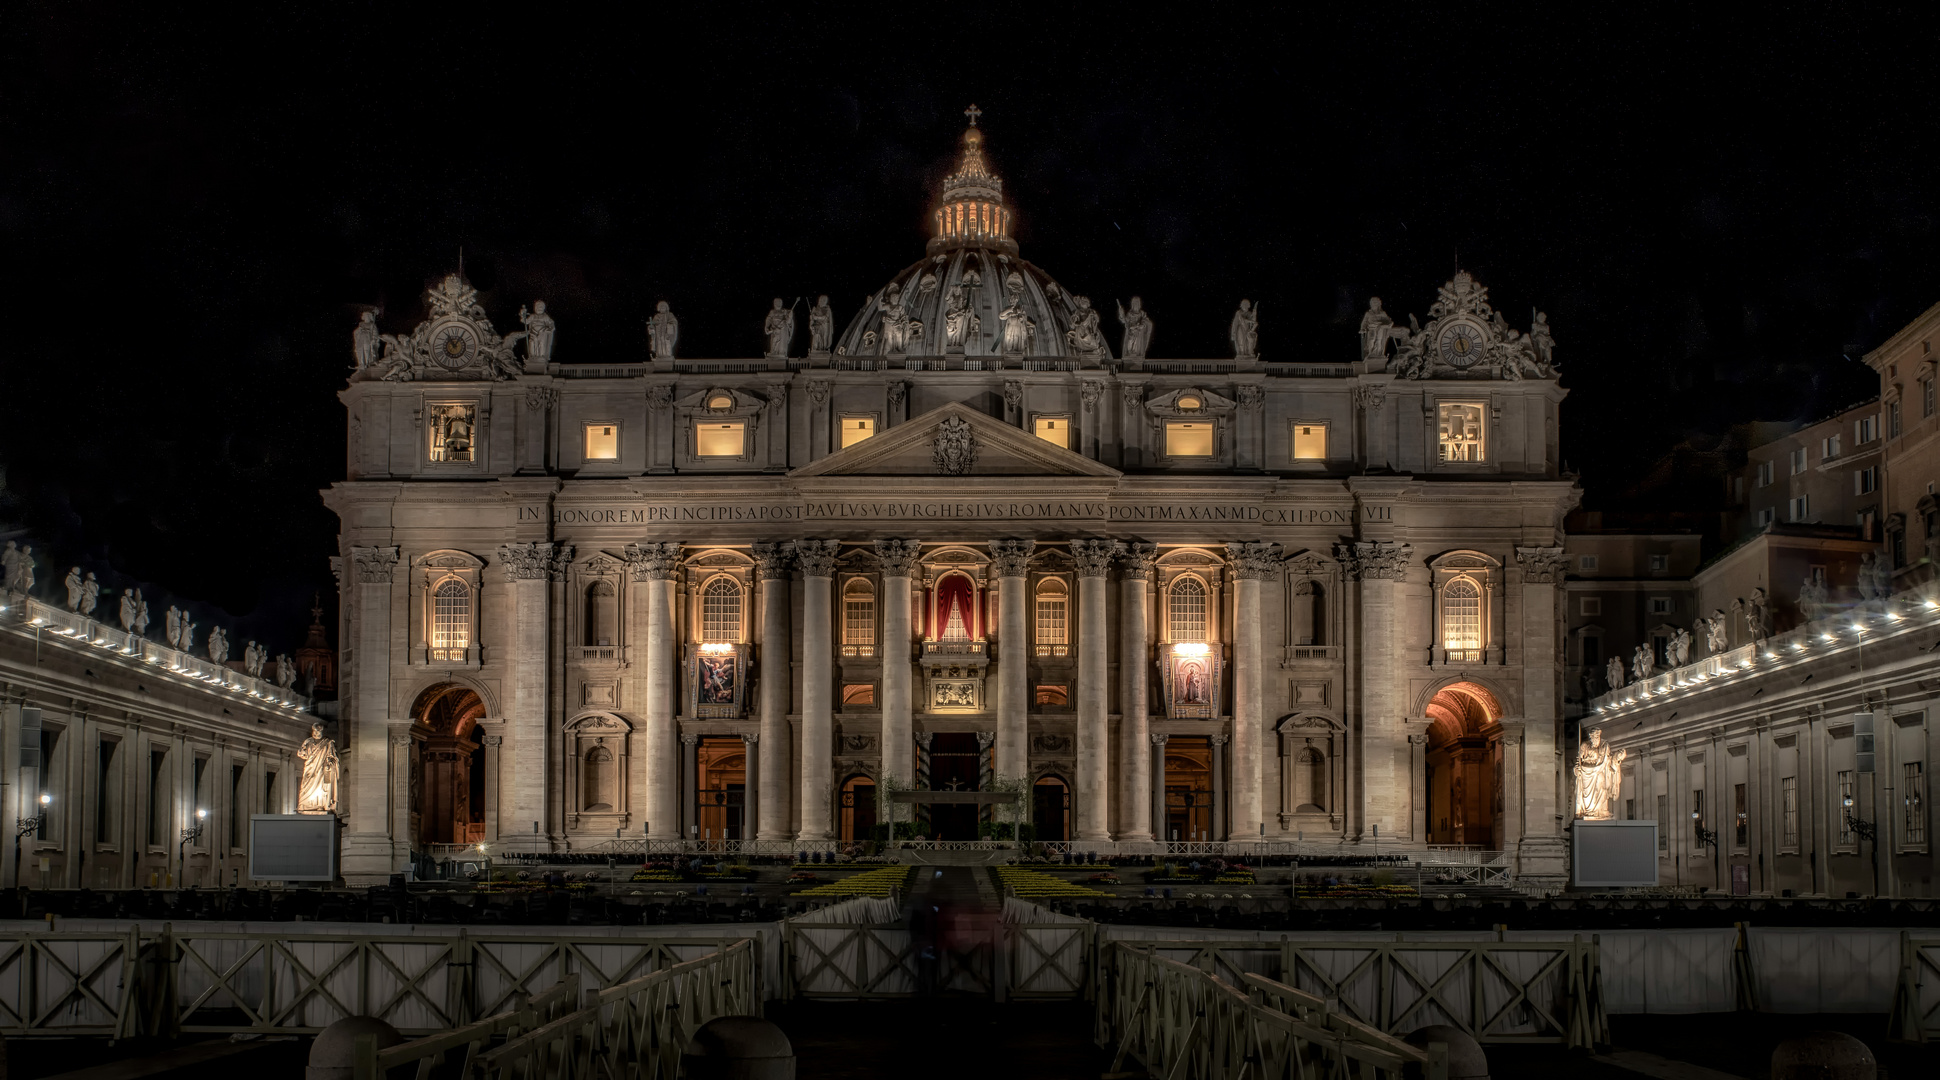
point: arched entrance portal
(447, 766)
(1465, 767)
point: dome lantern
(972, 211)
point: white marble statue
(20, 569)
(1642, 663)
(1717, 632)
(172, 627)
(285, 671)
(1680, 647)
(1812, 597)
(128, 610)
(141, 614)
(821, 326)
(956, 319)
(1245, 331)
(895, 323)
(663, 331)
(779, 328)
(365, 342)
(1875, 576)
(1543, 344)
(254, 656)
(218, 645)
(1376, 327)
(90, 594)
(538, 332)
(317, 790)
(1084, 336)
(73, 583)
(1018, 326)
(1758, 611)
(1138, 330)
(1597, 777)
(9, 565)
(1614, 672)
(188, 634)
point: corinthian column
(1094, 697)
(660, 758)
(1009, 559)
(1540, 847)
(529, 569)
(777, 686)
(817, 560)
(368, 847)
(1252, 564)
(1135, 749)
(1377, 566)
(898, 751)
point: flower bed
(879, 882)
(1031, 884)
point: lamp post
(1864, 830)
(26, 827)
(193, 832)
(1707, 836)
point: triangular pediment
(994, 449)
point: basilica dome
(971, 294)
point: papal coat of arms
(955, 448)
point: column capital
(817, 557)
(690, 740)
(1137, 558)
(1093, 556)
(1254, 562)
(771, 560)
(653, 561)
(493, 740)
(1218, 740)
(985, 739)
(751, 738)
(1541, 564)
(1377, 560)
(898, 556)
(1011, 558)
(539, 561)
(1158, 738)
(374, 564)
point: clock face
(454, 346)
(1461, 345)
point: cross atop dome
(973, 112)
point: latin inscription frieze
(970, 510)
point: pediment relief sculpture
(1465, 338)
(1189, 402)
(457, 341)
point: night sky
(196, 204)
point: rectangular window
(51, 774)
(1663, 822)
(602, 442)
(1310, 442)
(1788, 801)
(1798, 508)
(1892, 419)
(1586, 562)
(1053, 626)
(1926, 397)
(107, 792)
(1740, 816)
(1188, 438)
(269, 791)
(1865, 429)
(1056, 430)
(1590, 605)
(1697, 818)
(1847, 808)
(236, 816)
(1815, 573)
(159, 818)
(1767, 516)
(1592, 652)
(1829, 447)
(1459, 430)
(449, 427)
(1660, 563)
(1766, 474)
(1798, 461)
(1865, 481)
(715, 439)
(1630, 809)
(1660, 605)
(859, 694)
(1913, 801)
(858, 618)
(198, 800)
(1866, 520)
(857, 428)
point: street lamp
(1865, 831)
(193, 832)
(26, 827)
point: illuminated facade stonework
(963, 543)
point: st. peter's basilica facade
(964, 544)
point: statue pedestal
(818, 358)
(1542, 862)
(370, 859)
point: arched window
(1462, 615)
(721, 610)
(1185, 609)
(859, 617)
(602, 614)
(1053, 617)
(596, 780)
(451, 620)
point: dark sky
(194, 206)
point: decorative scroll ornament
(898, 556)
(541, 397)
(817, 557)
(1377, 560)
(955, 447)
(374, 564)
(1254, 561)
(1464, 337)
(1369, 396)
(1093, 556)
(1011, 558)
(456, 342)
(652, 561)
(1597, 778)
(1541, 564)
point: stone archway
(447, 768)
(1464, 767)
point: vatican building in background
(981, 559)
